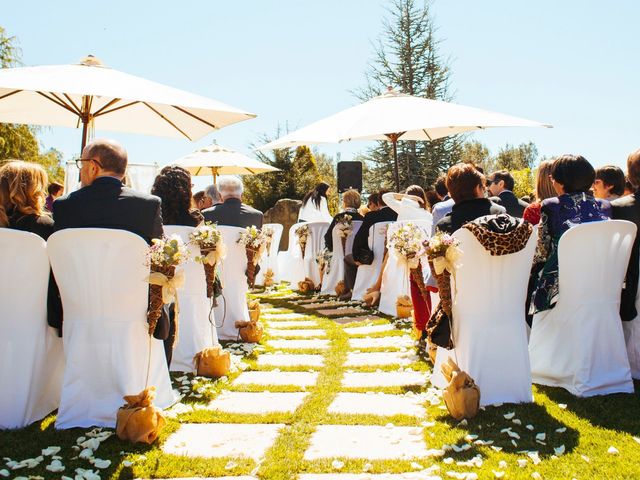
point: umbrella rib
(70, 101)
(9, 94)
(428, 136)
(58, 102)
(97, 112)
(195, 116)
(165, 119)
(114, 109)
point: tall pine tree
(407, 59)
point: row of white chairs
(578, 345)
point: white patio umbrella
(217, 160)
(394, 116)
(97, 97)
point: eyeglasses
(80, 160)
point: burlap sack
(254, 310)
(462, 395)
(212, 362)
(250, 332)
(306, 285)
(139, 420)
(341, 288)
(403, 306)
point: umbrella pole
(394, 142)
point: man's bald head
(112, 156)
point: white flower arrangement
(167, 252)
(252, 238)
(323, 259)
(408, 243)
(345, 226)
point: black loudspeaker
(349, 176)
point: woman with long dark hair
(173, 186)
(314, 205)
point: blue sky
(573, 63)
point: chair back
(31, 357)
(102, 278)
(336, 270)
(290, 268)
(489, 329)
(315, 244)
(368, 274)
(196, 324)
(270, 258)
(232, 304)
(395, 278)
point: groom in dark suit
(103, 201)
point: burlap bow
(448, 261)
(169, 286)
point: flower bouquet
(344, 227)
(209, 239)
(323, 259)
(164, 255)
(302, 232)
(254, 244)
(407, 244)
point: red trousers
(421, 309)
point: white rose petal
(230, 465)
(497, 474)
(127, 463)
(637, 439)
(92, 443)
(87, 453)
(509, 415)
(522, 463)
(502, 464)
(559, 451)
(4, 472)
(367, 467)
(561, 430)
(562, 406)
(517, 421)
(100, 463)
(55, 466)
(530, 427)
(541, 436)
(337, 464)
(536, 475)
(497, 449)
(448, 461)
(613, 451)
(585, 458)
(416, 466)
(50, 451)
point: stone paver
(369, 329)
(371, 442)
(222, 440)
(308, 333)
(383, 379)
(282, 317)
(315, 306)
(377, 404)
(398, 341)
(258, 402)
(299, 379)
(244, 477)
(380, 358)
(290, 359)
(297, 324)
(332, 312)
(370, 476)
(316, 344)
(346, 320)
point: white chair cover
(290, 268)
(31, 357)
(368, 274)
(315, 243)
(489, 328)
(270, 258)
(631, 331)
(336, 272)
(395, 277)
(102, 278)
(196, 323)
(232, 304)
(579, 344)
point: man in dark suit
(362, 254)
(628, 208)
(500, 184)
(103, 201)
(466, 187)
(232, 211)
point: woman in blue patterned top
(572, 177)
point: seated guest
(466, 187)
(443, 207)
(410, 205)
(201, 201)
(628, 186)
(500, 184)
(609, 183)
(55, 190)
(432, 199)
(544, 190)
(314, 205)
(173, 187)
(213, 194)
(572, 177)
(232, 212)
(628, 208)
(350, 205)
(22, 199)
(372, 204)
(103, 202)
(362, 254)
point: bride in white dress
(314, 205)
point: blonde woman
(23, 190)
(544, 190)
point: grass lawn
(557, 437)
